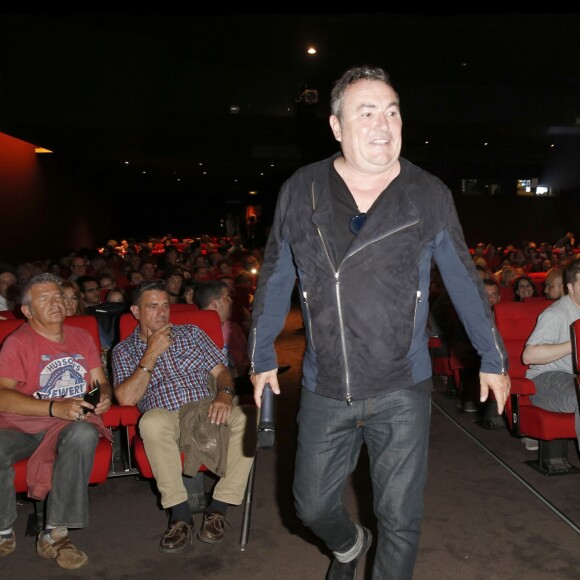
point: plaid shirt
(180, 374)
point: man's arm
(132, 388)
(271, 303)
(221, 408)
(549, 340)
(466, 290)
(13, 401)
(540, 354)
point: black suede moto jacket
(365, 315)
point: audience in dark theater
(221, 273)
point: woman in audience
(524, 287)
(115, 295)
(189, 291)
(72, 298)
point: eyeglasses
(357, 222)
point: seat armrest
(520, 386)
(129, 415)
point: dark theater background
(164, 123)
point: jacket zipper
(340, 322)
(253, 338)
(305, 295)
(386, 235)
(417, 302)
(338, 302)
(343, 339)
(503, 369)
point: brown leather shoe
(212, 531)
(7, 545)
(176, 537)
(59, 547)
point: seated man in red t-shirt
(46, 367)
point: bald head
(554, 284)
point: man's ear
(26, 310)
(135, 310)
(335, 126)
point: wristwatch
(229, 392)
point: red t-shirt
(47, 369)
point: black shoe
(347, 570)
(469, 407)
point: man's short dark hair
(206, 291)
(7, 268)
(158, 285)
(571, 271)
(82, 280)
(351, 76)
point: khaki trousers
(159, 429)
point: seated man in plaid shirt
(166, 370)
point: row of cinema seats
(515, 322)
(123, 422)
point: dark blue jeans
(68, 501)
(395, 428)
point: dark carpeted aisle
(481, 521)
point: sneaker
(7, 544)
(531, 444)
(213, 528)
(60, 548)
(347, 570)
(176, 537)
